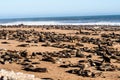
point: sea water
(71, 20)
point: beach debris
(11, 75)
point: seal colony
(61, 52)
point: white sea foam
(58, 23)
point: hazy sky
(34, 8)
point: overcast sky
(45, 8)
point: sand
(54, 71)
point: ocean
(72, 20)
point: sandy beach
(66, 52)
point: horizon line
(60, 16)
